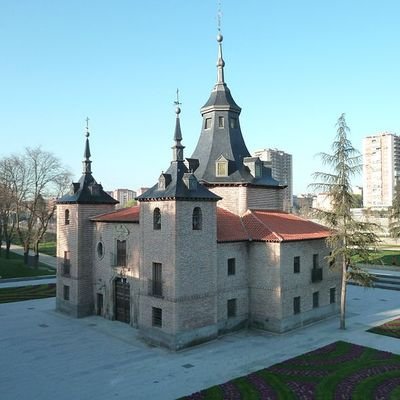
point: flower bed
(340, 370)
(390, 328)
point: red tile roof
(256, 225)
(268, 226)
(130, 214)
(230, 227)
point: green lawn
(49, 248)
(340, 370)
(385, 257)
(14, 267)
(8, 295)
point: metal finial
(177, 103)
(87, 127)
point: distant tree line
(30, 183)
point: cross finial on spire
(220, 62)
(177, 103)
(87, 127)
(219, 16)
(86, 154)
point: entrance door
(122, 300)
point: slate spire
(177, 148)
(86, 155)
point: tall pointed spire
(178, 148)
(86, 155)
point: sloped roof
(130, 214)
(176, 188)
(254, 225)
(268, 226)
(230, 227)
(87, 191)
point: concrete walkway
(43, 258)
(47, 355)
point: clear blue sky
(293, 66)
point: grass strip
(31, 292)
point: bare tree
(34, 178)
(349, 237)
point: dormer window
(221, 166)
(207, 123)
(157, 219)
(163, 181)
(258, 170)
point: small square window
(231, 308)
(296, 305)
(66, 292)
(332, 295)
(156, 317)
(296, 264)
(221, 122)
(231, 266)
(315, 299)
(207, 123)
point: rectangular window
(315, 260)
(207, 123)
(156, 317)
(156, 283)
(296, 264)
(121, 253)
(296, 305)
(222, 168)
(231, 266)
(332, 295)
(315, 299)
(66, 264)
(231, 308)
(66, 292)
(220, 122)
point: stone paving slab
(47, 355)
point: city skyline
(293, 68)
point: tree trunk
(26, 253)
(36, 259)
(8, 245)
(343, 296)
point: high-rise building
(381, 168)
(123, 196)
(282, 171)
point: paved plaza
(47, 355)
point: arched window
(157, 219)
(66, 217)
(197, 219)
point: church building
(208, 249)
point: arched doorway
(122, 300)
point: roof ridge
(244, 226)
(280, 238)
(115, 211)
